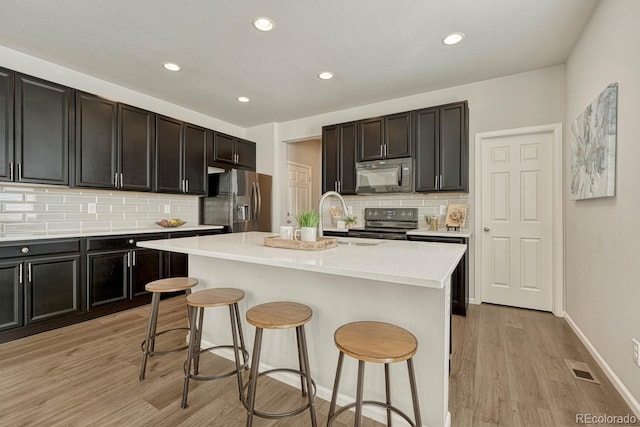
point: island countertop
(411, 263)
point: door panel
(136, 147)
(330, 148)
(223, 148)
(348, 145)
(397, 129)
(371, 139)
(427, 140)
(517, 218)
(169, 155)
(6, 123)
(146, 266)
(246, 154)
(107, 277)
(195, 159)
(53, 287)
(10, 295)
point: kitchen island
(400, 282)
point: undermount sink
(359, 243)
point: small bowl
(170, 225)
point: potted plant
(308, 222)
(350, 221)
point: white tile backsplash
(26, 209)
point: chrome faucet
(322, 199)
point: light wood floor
(507, 370)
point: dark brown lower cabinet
(459, 277)
(39, 282)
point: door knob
(487, 229)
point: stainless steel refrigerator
(239, 200)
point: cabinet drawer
(120, 242)
(44, 247)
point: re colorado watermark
(605, 419)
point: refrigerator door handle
(259, 197)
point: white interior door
(517, 220)
(299, 190)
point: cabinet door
(453, 155)
(6, 124)
(223, 148)
(168, 155)
(426, 146)
(95, 141)
(397, 137)
(42, 131)
(246, 154)
(371, 139)
(53, 287)
(107, 277)
(10, 294)
(178, 265)
(146, 266)
(348, 143)
(136, 140)
(195, 159)
(330, 150)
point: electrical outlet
(350, 210)
(443, 209)
(167, 208)
(636, 351)
(91, 208)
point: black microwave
(385, 176)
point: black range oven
(386, 223)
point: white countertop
(412, 263)
(89, 233)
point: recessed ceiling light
(243, 99)
(171, 66)
(453, 38)
(263, 24)
(325, 75)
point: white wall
(33, 66)
(601, 241)
(519, 100)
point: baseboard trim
(617, 383)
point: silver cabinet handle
(382, 151)
(134, 258)
(386, 151)
(25, 250)
(20, 274)
(486, 229)
(237, 158)
(10, 171)
(441, 180)
(128, 259)
(186, 185)
(339, 186)
(29, 272)
(120, 183)
(131, 241)
(19, 171)
(436, 182)
(335, 185)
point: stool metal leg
(414, 392)
(359, 394)
(387, 389)
(303, 386)
(253, 375)
(151, 332)
(193, 342)
(236, 350)
(305, 359)
(196, 366)
(242, 346)
(336, 384)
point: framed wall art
(593, 148)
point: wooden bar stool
(375, 342)
(158, 287)
(197, 302)
(281, 315)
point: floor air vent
(581, 371)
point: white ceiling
(378, 49)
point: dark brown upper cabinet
(441, 148)
(181, 157)
(96, 142)
(136, 146)
(229, 150)
(387, 137)
(114, 144)
(42, 132)
(6, 124)
(339, 158)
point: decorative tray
(319, 245)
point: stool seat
(171, 284)
(376, 342)
(279, 315)
(217, 297)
